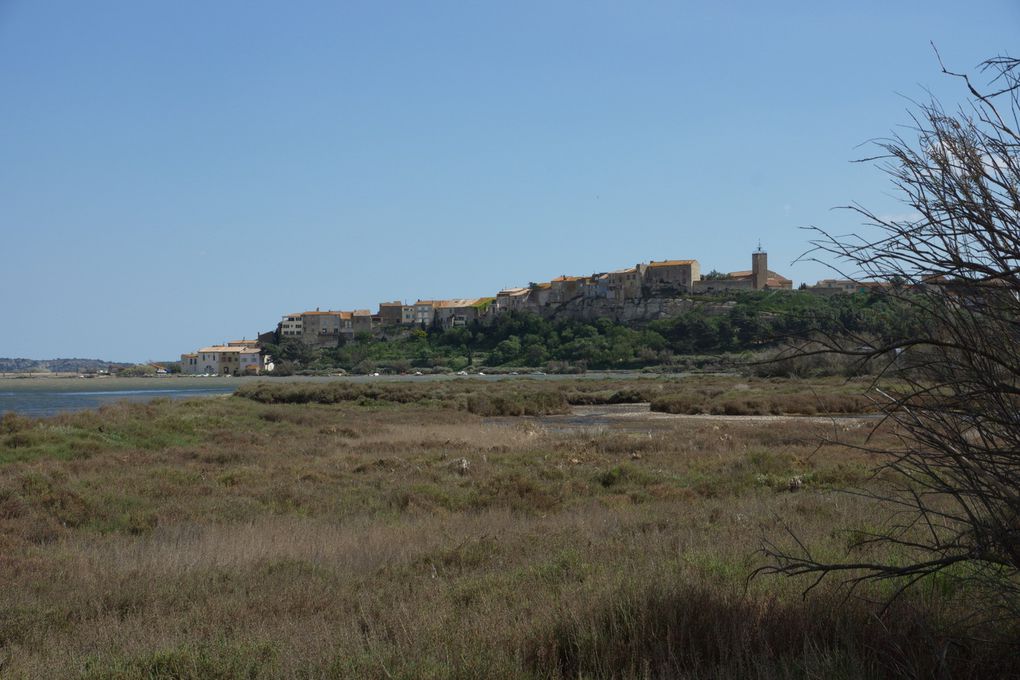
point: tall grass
(676, 629)
(511, 399)
(411, 537)
(718, 396)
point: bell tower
(759, 268)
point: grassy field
(447, 530)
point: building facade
(511, 299)
(758, 277)
(624, 284)
(223, 360)
(671, 276)
(292, 326)
(395, 314)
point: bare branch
(950, 388)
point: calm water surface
(49, 396)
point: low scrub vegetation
(515, 398)
(712, 325)
(523, 396)
(419, 531)
(758, 403)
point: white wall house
(223, 360)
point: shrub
(13, 422)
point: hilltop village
(622, 295)
(642, 292)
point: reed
(403, 533)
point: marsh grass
(514, 398)
(411, 537)
(704, 395)
(767, 397)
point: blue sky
(178, 174)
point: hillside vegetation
(746, 322)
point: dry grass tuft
(401, 532)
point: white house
(223, 360)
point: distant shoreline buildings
(603, 293)
(238, 357)
(636, 292)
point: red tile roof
(671, 263)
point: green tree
(507, 351)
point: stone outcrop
(625, 311)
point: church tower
(759, 269)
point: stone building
(511, 299)
(395, 314)
(454, 313)
(643, 291)
(538, 297)
(292, 326)
(424, 312)
(671, 276)
(324, 328)
(223, 360)
(836, 287)
(189, 363)
(758, 277)
(564, 288)
(363, 321)
(623, 284)
(596, 287)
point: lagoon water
(49, 396)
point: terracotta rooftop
(463, 302)
(671, 263)
(225, 348)
(747, 274)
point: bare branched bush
(951, 387)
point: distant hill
(57, 365)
